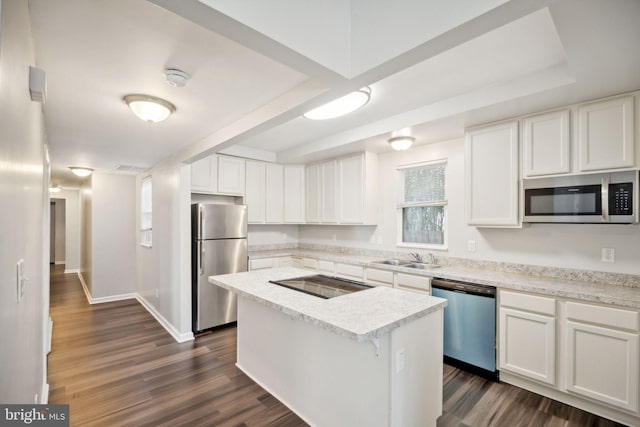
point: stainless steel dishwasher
(469, 325)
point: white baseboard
(60, 262)
(101, 300)
(179, 337)
(44, 394)
(72, 270)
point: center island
(368, 358)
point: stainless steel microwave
(610, 198)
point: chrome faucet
(415, 256)
(432, 258)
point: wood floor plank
(116, 366)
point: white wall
(60, 231)
(557, 245)
(22, 219)
(72, 229)
(113, 235)
(86, 240)
(271, 235)
(164, 270)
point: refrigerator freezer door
(215, 305)
(219, 221)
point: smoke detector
(175, 77)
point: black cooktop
(322, 286)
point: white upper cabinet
(357, 189)
(294, 191)
(492, 178)
(231, 175)
(546, 144)
(274, 194)
(255, 194)
(204, 175)
(312, 194)
(329, 192)
(606, 138)
(343, 190)
(217, 174)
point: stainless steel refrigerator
(219, 246)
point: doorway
(58, 232)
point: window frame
(402, 204)
(144, 242)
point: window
(145, 211)
(422, 211)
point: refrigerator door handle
(201, 261)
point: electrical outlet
(400, 360)
(608, 255)
(471, 245)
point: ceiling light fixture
(81, 171)
(55, 189)
(400, 143)
(341, 106)
(149, 108)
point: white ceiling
(255, 70)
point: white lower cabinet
(309, 263)
(413, 282)
(527, 335)
(602, 354)
(326, 267)
(273, 262)
(585, 354)
(376, 276)
(349, 271)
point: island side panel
(325, 378)
(417, 372)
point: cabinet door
(375, 276)
(351, 190)
(349, 271)
(603, 364)
(492, 181)
(527, 345)
(294, 200)
(255, 191)
(312, 211)
(606, 137)
(328, 192)
(204, 175)
(262, 263)
(231, 175)
(274, 194)
(546, 144)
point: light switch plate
(471, 245)
(608, 255)
(19, 280)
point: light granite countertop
(605, 293)
(361, 316)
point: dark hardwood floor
(116, 366)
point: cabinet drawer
(258, 264)
(285, 262)
(532, 303)
(410, 281)
(349, 270)
(326, 266)
(384, 277)
(310, 263)
(605, 316)
(296, 262)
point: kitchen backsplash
(533, 270)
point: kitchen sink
(420, 265)
(392, 262)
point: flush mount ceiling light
(400, 143)
(341, 106)
(81, 171)
(149, 108)
(55, 189)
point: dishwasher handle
(464, 287)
